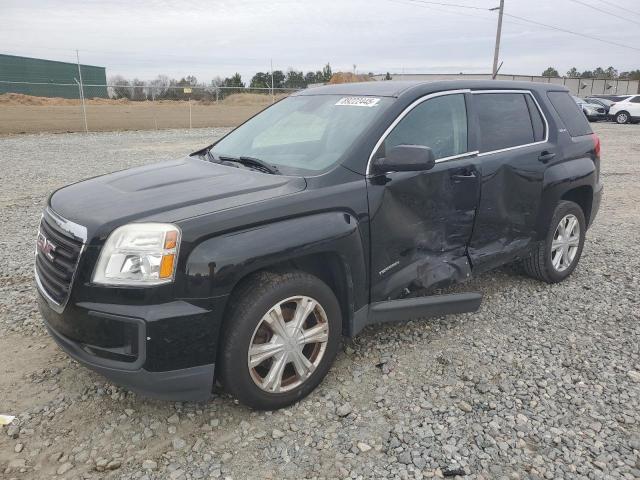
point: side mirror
(406, 158)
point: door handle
(457, 178)
(546, 156)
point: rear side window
(635, 100)
(536, 119)
(504, 120)
(570, 114)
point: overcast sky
(144, 38)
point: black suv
(336, 208)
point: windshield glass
(303, 134)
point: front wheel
(622, 118)
(280, 339)
(558, 257)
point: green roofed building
(48, 78)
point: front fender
(217, 264)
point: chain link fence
(65, 107)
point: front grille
(57, 255)
(600, 110)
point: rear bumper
(123, 358)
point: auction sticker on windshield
(358, 101)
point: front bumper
(129, 345)
(595, 116)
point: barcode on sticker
(358, 101)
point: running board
(418, 307)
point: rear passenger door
(512, 140)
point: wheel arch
(329, 245)
(327, 266)
(583, 196)
(573, 180)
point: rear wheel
(280, 339)
(556, 259)
(622, 117)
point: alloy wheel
(622, 118)
(288, 344)
(565, 244)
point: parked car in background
(626, 111)
(335, 208)
(613, 98)
(603, 102)
(592, 111)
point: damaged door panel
(421, 222)
(513, 152)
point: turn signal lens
(166, 266)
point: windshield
(303, 134)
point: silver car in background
(592, 111)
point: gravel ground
(543, 382)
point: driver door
(421, 222)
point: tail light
(596, 144)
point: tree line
(599, 72)
(165, 88)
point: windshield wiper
(253, 162)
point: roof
(21, 58)
(392, 88)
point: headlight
(139, 254)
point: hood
(167, 191)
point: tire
(247, 325)
(540, 264)
(622, 117)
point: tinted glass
(536, 119)
(303, 134)
(439, 123)
(504, 120)
(635, 100)
(571, 115)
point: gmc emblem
(45, 246)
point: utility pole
(84, 110)
(496, 52)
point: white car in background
(627, 110)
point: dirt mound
(15, 99)
(235, 100)
(250, 99)
(348, 77)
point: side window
(536, 119)
(570, 113)
(439, 123)
(504, 120)
(635, 99)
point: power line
(572, 32)
(534, 22)
(468, 15)
(456, 5)
(615, 5)
(598, 9)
